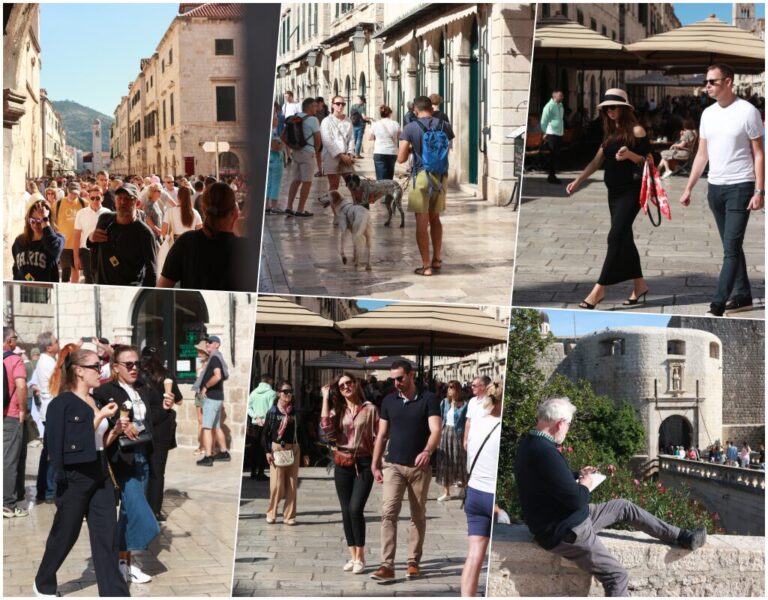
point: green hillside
(77, 120)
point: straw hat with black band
(615, 97)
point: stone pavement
(561, 247)
(192, 556)
(306, 559)
(300, 256)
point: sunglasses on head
(129, 364)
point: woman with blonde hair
(451, 456)
(350, 423)
(36, 252)
(84, 487)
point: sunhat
(615, 97)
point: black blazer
(122, 458)
(69, 433)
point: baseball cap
(213, 339)
(128, 188)
(73, 186)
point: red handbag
(652, 192)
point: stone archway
(675, 431)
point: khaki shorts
(333, 166)
(419, 198)
(303, 166)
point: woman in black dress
(623, 151)
(163, 394)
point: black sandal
(586, 305)
(437, 264)
(422, 271)
(639, 300)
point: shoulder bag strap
(474, 460)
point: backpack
(356, 118)
(294, 132)
(434, 152)
(6, 387)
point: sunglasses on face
(96, 367)
(33, 221)
(346, 384)
(287, 392)
(130, 365)
(340, 103)
(95, 197)
(611, 108)
(713, 81)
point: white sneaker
(350, 564)
(359, 567)
(444, 497)
(139, 576)
(667, 174)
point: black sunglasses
(713, 81)
(343, 384)
(129, 364)
(96, 367)
(340, 103)
(286, 392)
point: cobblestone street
(300, 255)
(561, 247)
(192, 556)
(306, 560)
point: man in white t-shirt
(290, 107)
(170, 189)
(41, 379)
(731, 139)
(85, 223)
(475, 405)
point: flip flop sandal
(421, 271)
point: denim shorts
(479, 509)
(211, 413)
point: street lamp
(312, 58)
(358, 40)
(282, 70)
(172, 143)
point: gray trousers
(11, 453)
(589, 553)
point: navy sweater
(552, 500)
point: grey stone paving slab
(306, 559)
(561, 246)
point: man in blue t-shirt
(427, 192)
(410, 419)
(303, 165)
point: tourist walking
(338, 143)
(451, 455)
(37, 251)
(385, 134)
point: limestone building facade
(172, 321)
(672, 377)
(190, 91)
(56, 160)
(743, 16)
(624, 23)
(22, 129)
(477, 57)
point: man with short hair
(290, 106)
(731, 140)
(198, 187)
(66, 212)
(305, 157)
(259, 402)
(428, 188)
(411, 421)
(48, 344)
(125, 248)
(475, 404)
(338, 143)
(322, 109)
(85, 223)
(556, 508)
(14, 415)
(212, 388)
(107, 195)
(359, 120)
(169, 187)
(732, 453)
(553, 126)
(437, 100)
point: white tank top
(99, 434)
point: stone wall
(743, 373)
(725, 566)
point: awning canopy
(432, 327)
(692, 48)
(285, 325)
(336, 360)
(386, 362)
(569, 44)
(654, 78)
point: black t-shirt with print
(38, 260)
(128, 257)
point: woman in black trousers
(350, 422)
(161, 407)
(77, 434)
(624, 149)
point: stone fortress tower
(673, 377)
(96, 145)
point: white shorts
(334, 166)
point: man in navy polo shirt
(411, 421)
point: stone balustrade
(726, 566)
(750, 479)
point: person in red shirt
(14, 414)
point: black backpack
(6, 387)
(356, 117)
(294, 132)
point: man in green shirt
(553, 127)
(259, 402)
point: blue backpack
(434, 153)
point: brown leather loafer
(383, 574)
(412, 571)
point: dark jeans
(358, 131)
(384, 165)
(554, 142)
(258, 457)
(86, 491)
(85, 264)
(66, 262)
(728, 204)
(12, 438)
(21, 470)
(353, 486)
(158, 459)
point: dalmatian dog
(370, 190)
(353, 220)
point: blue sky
(562, 321)
(373, 304)
(90, 52)
(691, 12)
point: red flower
(669, 514)
(570, 448)
(611, 469)
(560, 449)
(636, 482)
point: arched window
(174, 322)
(348, 92)
(229, 163)
(361, 87)
(714, 350)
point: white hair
(555, 409)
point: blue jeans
(728, 204)
(384, 165)
(136, 526)
(359, 130)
